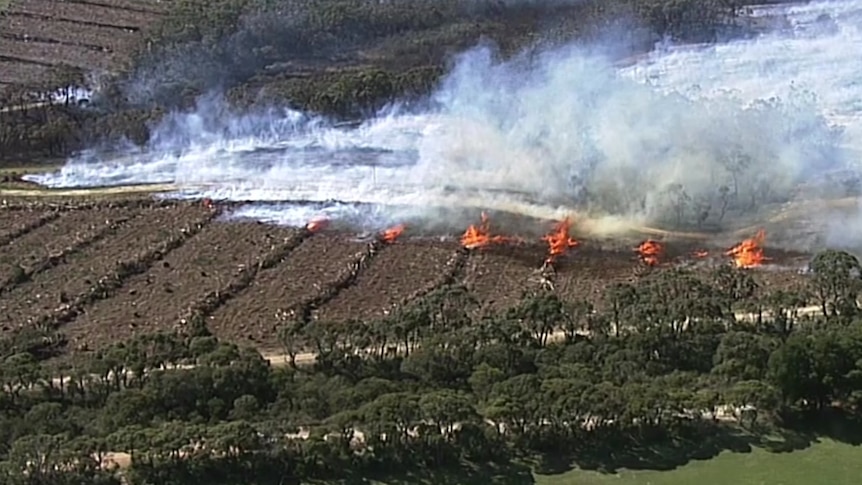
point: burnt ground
(182, 255)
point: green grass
(4, 4)
(826, 461)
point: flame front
(650, 251)
(700, 253)
(559, 240)
(391, 234)
(749, 253)
(479, 237)
(317, 224)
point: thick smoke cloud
(720, 144)
(570, 128)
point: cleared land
(52, 258)
(83, 12)
(37, 37)
(155, 300)
(394, 275)
(251, 317)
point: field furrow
(65, 32)
(50, 239)
(397, 273)
(54, 54)
(19, 72)
(156, 300)
(83, 13)
(498, 277)
(91, 230)
(56, 293)
(14, 224)
(585, 273)
(146, 6)
(312, 267)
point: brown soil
(209, 262)
(51, 239)
(80, 271)
(54, 54)
(82, 12)
(398, 271)
(151, 6)
(19, 72)
(499, 276)
(12, 222)
(65, 32)
(154, 301)
(251, 317)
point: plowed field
(37, 37)
(168, 258)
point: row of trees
(337, 57)
(665, 360)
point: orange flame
(479, 237)
(749, 253)
(700, 253)
(650, 251)
(559, 240)
(391, 234)
(317, 224)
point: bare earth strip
(250, 318)
(498, 279)
(17, 72)
(155, 301)
(585, 273)
(83, 13)
(55, 54)
(397, 272)
(102, 224)
(50, 239)
(42, 294)
(150, 6)
(13, 224)
(65, 32)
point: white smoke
(563, 131)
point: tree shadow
(670, 451)
(465, 473)
(833, 423)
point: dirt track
(68, 252)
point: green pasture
(825, 461)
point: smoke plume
(687, 138)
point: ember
(317, 224)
